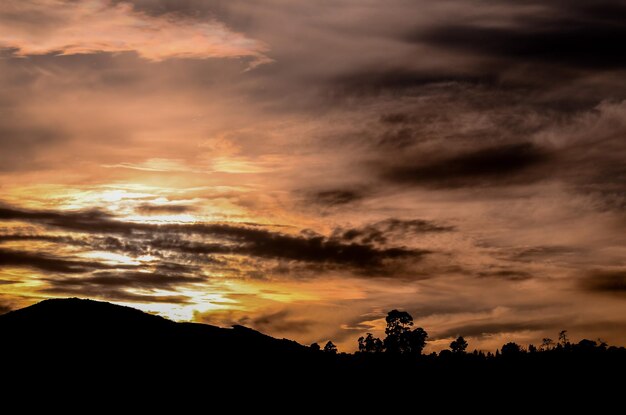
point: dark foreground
(106, 350)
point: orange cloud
(92, 26)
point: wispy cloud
(467, 166)
(92, 26)
(219, 239)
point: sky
(303, 167)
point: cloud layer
(95, 26)
(462, 160)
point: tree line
(404, 340)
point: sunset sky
(302, 167)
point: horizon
(301, 168)
(459, 345)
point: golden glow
(111, 258)
(119, 118)
(162, 219)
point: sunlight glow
(111, 258)
(156, 219)
(117, 195)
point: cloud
(22, 144)
(45, 262)
(93, 221)
(233, 239)
(116, 295)
(538, 253)
(507, 274)
(169, 209)
(281, 322)
(384, 127)
(608, 282)
(95, 26)
(574, 35)
(398, 80)
(382, 232)
(485, 329)
(274, 245)
(126, 279)
(498, 165)
(112, 281)
(18, 237)
(335, 197)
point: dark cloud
(383, 231)
(200, 9)
(232, 13)
(538, 253)
(485, 329)
(319, 249)
(48, 263)
(93, 221)
(398, 138)
(281, 322)
(504, 164)
(336, 197)
(134, 246)
(133, 279)
(397, 80)
(234, 239)
(102, 280)
(395, 118)
(16, 237)
(574, 35)
(116, 295)
(609, 282)
(176, 268)
(164, 209)
(507, 274)
(274, 245)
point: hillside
(71, 332)
(97, 342)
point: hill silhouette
(96, 343)
(78, 328)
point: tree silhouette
(330, 348)
(511, 349)
(586, 345)
(563, 340)
(459, 345)
(314, 346)
(398, 324)
(547, 343)
(416, 341)
(370, 344)
(400, 339)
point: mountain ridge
(74, 323)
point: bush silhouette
(330, 348)
(370, 344)
(459, 345)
